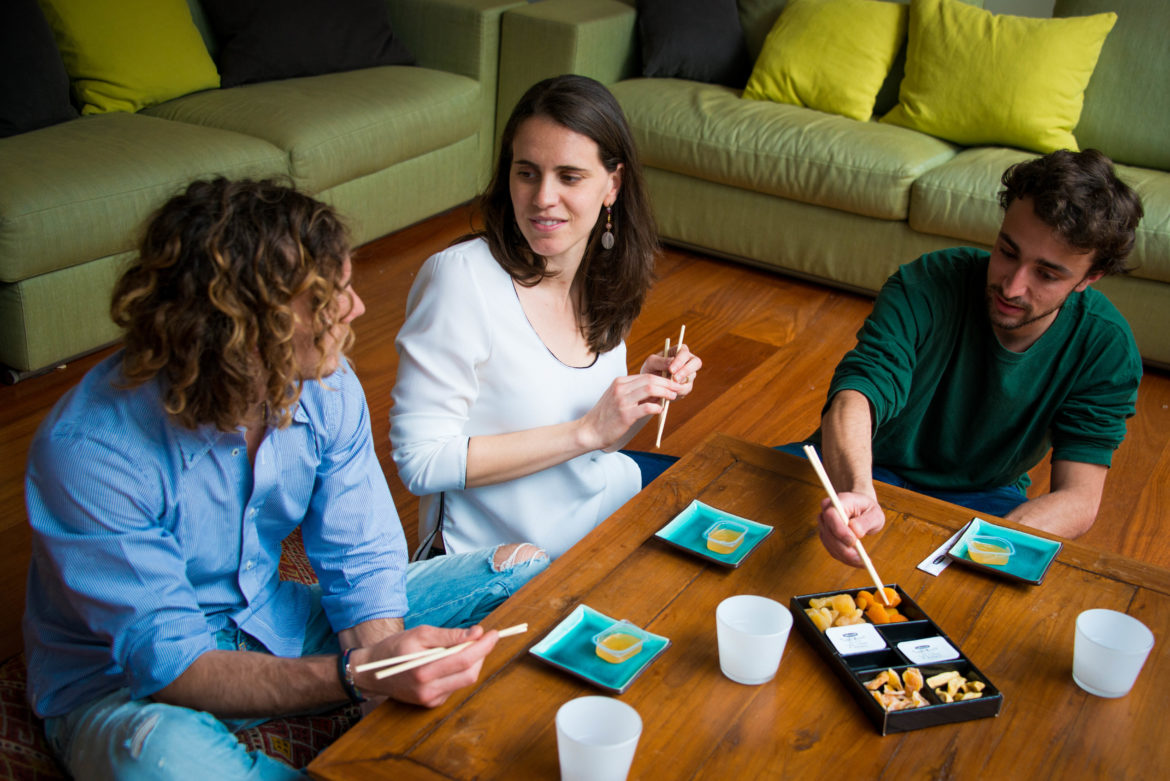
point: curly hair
(614, 282)
(208, 305)
(1079, 195)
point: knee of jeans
(507, 557)
(159, 730)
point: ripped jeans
(115, 737)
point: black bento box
(854, 669)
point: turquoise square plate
(569, 646)
(1028, 564)
(687, 528)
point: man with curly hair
(161, 488)
(973, 364)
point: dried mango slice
(935, 681)
(843, 604)
(820, 617)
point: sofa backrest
(1127, 103)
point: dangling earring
(607, 237)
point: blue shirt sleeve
(352, 532)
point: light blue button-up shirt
(148, 538)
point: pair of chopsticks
(666, 403)
(398, 664)
(815, 460)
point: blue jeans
(992, 501)
(115, 737)
(650, 464)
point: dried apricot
(892, 597)
(877, 614)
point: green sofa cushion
(708, 132)
(339, 126)
(1128, 117)
(40, 317)
(69, 195)
(960, 199)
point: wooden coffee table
(803, 724)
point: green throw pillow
(829, 55)
(123, 55)
(974, 77)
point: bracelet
(346, 677)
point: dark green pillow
(261, 40)
(34, 87)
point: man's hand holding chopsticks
(429, 684)
(838, 534)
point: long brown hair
(208, 303)
(614, 282)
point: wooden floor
(769, 344)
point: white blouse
(470, 364)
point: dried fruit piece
(877, 613)
(843, 603)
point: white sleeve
(444, 337)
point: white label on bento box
(927, 650)
(855, 639)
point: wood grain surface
(699, 724)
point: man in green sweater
(974, 364)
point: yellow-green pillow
(829, 55)
(974, 77)
(123, 55)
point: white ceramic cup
(752, 632)
(1109, 651)
(596, 738)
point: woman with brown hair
(513, 397)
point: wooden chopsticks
(398, 664)
(815, 460)
(666, 404)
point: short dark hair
(1079, 195)
(614, 281)
(207, 304)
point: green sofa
(388, 146)
(837, 200)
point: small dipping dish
(724, 536)
(620, 642)
(985, 549)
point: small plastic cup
(1109, 651)
(986, 549)
(596, 739)
(620, 642)
(725, 536)
(752, 632)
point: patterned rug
(25, 754)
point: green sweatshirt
(955, 410)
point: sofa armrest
(595, 38)
(458, 36)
